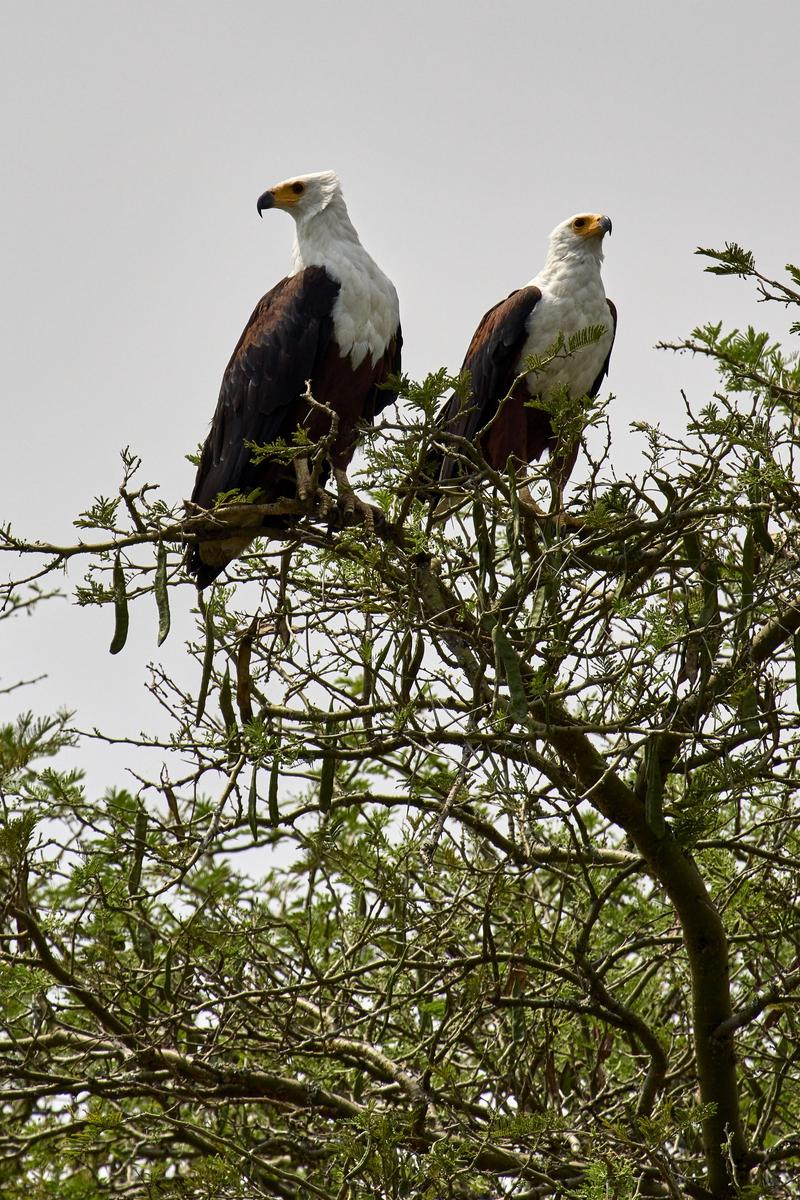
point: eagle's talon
(306, 489)
(350, 505)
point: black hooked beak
(268, 201)
(605, 223)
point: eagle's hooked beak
(267, 200)
(604, 223)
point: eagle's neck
(571, 267)
(323, 237)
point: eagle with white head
(334, 322)
(565, 297)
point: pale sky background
(136, 138)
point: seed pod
(120, 609)
(160, 588)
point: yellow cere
(287, 194)
(588, 225)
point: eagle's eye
(579, 223)
(298, 188)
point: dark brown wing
(491, 359)
(355, 394)
(382, 397)
(288, 334)
(595, 388)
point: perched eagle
(333, 322)
(566, 296)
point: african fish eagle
(333, 322)
(566, 296)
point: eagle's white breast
(573, 298)
(366, 312)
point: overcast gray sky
(137, 137)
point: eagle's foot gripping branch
(559, 516)
(309, 491)
(351, 509)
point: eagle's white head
(303, 196)
(366, 313)
(580, 237)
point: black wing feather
(382, 397)
(491, 360)
(287, 335)
(595, 388)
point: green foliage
(101, 515)
(27, 740)
(733, 260)
(456, 848)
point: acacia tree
(524, 916)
